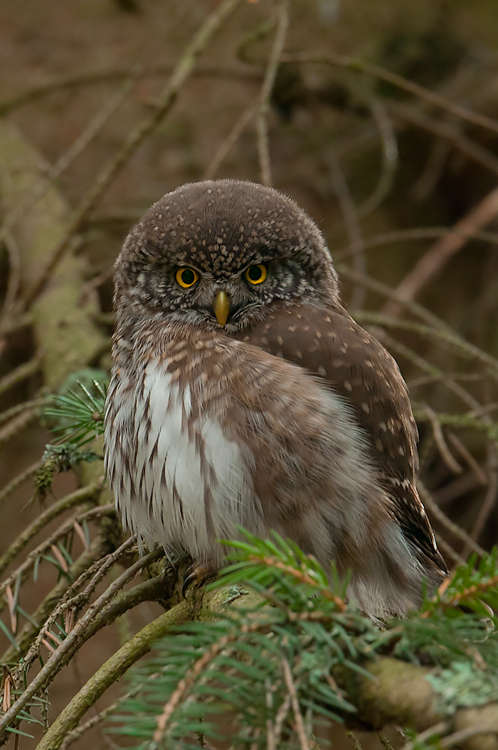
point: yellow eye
(256, 274)
(186, 277)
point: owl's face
(218, 254)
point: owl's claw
(196, 575)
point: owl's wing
(333, 347)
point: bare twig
(295, 705)
(58, 658)
(468, 457)
(389, 161)
(20, 373)
(83, 495)
(416, 233)
(266, 89)
(423, 314)
(26, 406)
(448, 134)
(448, 550)
(443, 519)
(354, 740)
(490, 497)
(464, 734)
(19, 423)
(181, 73)
(13, 485)
(444, 451)
(230, 141)
(431, 97)
(281, 716)
(438, 728)
(439, 254)
(352, 225)
(90, 78)
(59, 533)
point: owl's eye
(256, 274)
(186, 277)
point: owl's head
(218, 254)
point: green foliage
(77, 416)
(299, 644)
(78, 410)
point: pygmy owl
(243, 394)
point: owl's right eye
(186, 277)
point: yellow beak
(221, 307)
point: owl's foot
(197, 575)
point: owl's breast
(178, 477)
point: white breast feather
(164, 499)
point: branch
(436, 257)
(181, 72)
(112, 670)
(400, 693)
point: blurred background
(380, 119)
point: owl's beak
(221, 307)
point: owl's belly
(177, 477)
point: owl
(243, 394)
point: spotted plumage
(244, 394)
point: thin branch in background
(87, 136)
(434, 259)
(465, 734)
(448, 550)
(93, 284)
(110, 75)
(431, 97)
(424, 314)
(416, 233)
(295, 705)
(230, 141)
(53, 664)
(491, 495)
(94, 127)
(440, 441)
(181, 72)
(424, 365)
(443, 519)
(281, 717)
(14, 411)
(20, 373)
(15, 483)
(389, 163)
(467, 456)
(75, 734)
(385, 741)
(439, 728)
(42, 548)
(266, 89)
(270, 731)
(18, 424)
(348, 210)
(448, 133)
(432, 171)
(79, 497)
(354, 740)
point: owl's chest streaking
(178, 477)
(204, 433)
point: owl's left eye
(256, 274)
(186, 277)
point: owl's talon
(196, 576)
